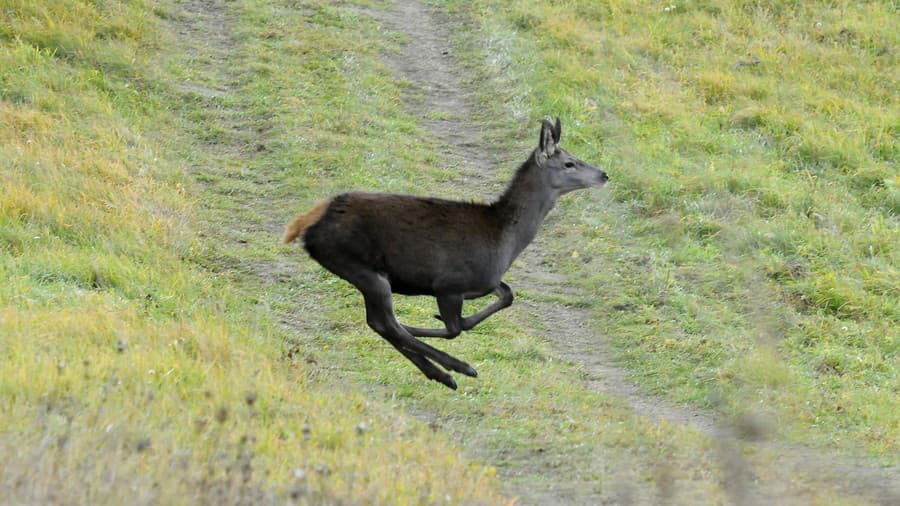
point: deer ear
(547, 142)
(557, 130)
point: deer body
(386, 243)
(418, 250)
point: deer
(385, 244)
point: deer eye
(569, 165)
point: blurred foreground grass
(159, 347)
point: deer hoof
(447, 381)
(468, 370)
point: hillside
(718, 326)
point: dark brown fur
(385, 243)
(414, 239)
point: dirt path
(426, 62)
(205, 29)
(438, 97)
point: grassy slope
(750, 259)
(119, 260)
(526, 406)
(342, 114)
(130, 372)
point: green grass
(751, 245)
(339, 126)
(161, 347)
(133, 370)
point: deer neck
(522, 208)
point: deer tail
(299, 224)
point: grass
(332, 118)
(751, 244)
(133, 370)
(162, 348)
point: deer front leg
(450, 307)
(451, 314)
(504, 300)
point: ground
(437, 94)
(713, 327)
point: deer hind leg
(380, 316)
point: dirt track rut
(436, 80)
(438, 97)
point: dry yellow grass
(130, 374)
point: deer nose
(603, 177)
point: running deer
(385, 243)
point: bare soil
(427, 62)
(439, 97)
